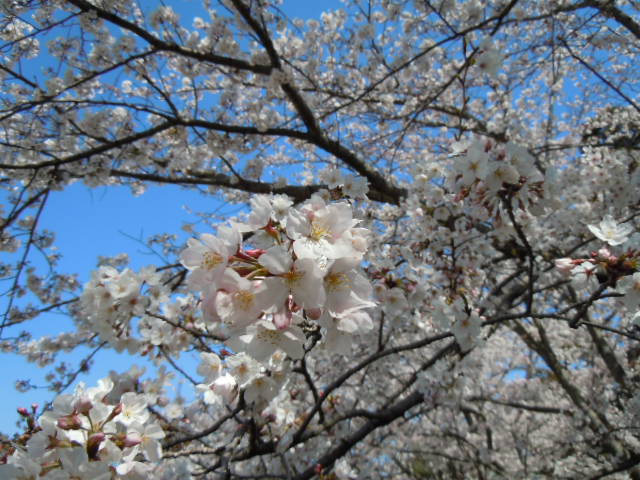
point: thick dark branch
(586, 65)
(388, 192)
(367, 361)
(528, 249)
(379, 419)
(18, 76)
(522, 406)
(241, 129)
(608, 356)
(304, 371)
(92, 151)
(298, 193)
(625, 464)
(608, 9)
(581, 314)
(197, 435)
(306, 114)
(170, 47)
(380, 189)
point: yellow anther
(211, 260)
(245, 299)
(335, 281)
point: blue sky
(107, 221)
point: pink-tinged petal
(293, 343)
(298, 225)
(276, 259)
(212, 242)
(306, 284)
(231, 239)
(336, 218)
(192, 256)
(275, 294)
(282, 319)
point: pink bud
(254, 252)
(117, 410)
(313, 313)
(93, 445)
(131, 440)
(564, 265)
(605, 254)
(282, 320)
(70, 422)
(23, 411)
(83, 405)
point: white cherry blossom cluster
(489, 59)
(453, 316)
(298, 273)
(112, 298)
(487, 173)
(259, 382)
(599, 267)
(94, 433)
(349, 185)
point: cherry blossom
(630, 285)
(207, 258)
(610, 231)
(390, 275)
(489, 59)
(264, 338)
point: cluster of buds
(87, 434)
(604, 265)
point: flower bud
(93, 445)
(313, 313)
(605, 254)
(564, 265)
(282, 320)
(254, 252)
(128, 440)
(70, 422)
(131, 440)
(83, 405)
(117, 410)
(272, 231)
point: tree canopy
(434, 272)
